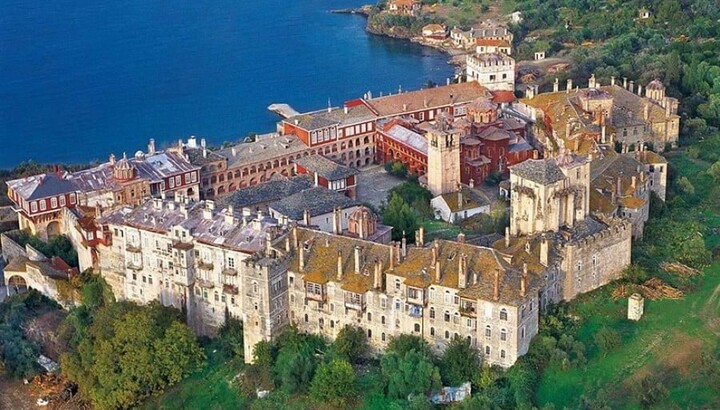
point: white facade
(495, 71)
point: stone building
(443, 174)
(183, 254)
(496, 71)
(328, 174)
(605, 114)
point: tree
(230, 337)
(714, 171)
(607, 340)
(333, 383)
(350, 344)
(651, 391)
(400, 216)
(460, 362)
(635, 273)
(404, 343)
(411, 374)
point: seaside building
(487, 30)
(405, 7)
(435, 32)
(490, 45)
(494, 70)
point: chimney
(404, 107)
(287, 244)
(569, 86)
(404, 245)
(306, 217)
(398, 253)
(335, 222)
(268, 244)
(591, 82)
(536, 154)
(567, 129)
(612, 80)
(151, 147)
(230, 215)
(112, 159)
(634, 181)
(204, 152)
(625, 83)
(472, 183)
(377, 278)
(602, 134)
(461, 237)
(632, 87)
(301, 257)
(619, 187)
(296, 242)
(556, 85)
(496, 286)
(202, 142)
(345, 109)
(233, 151)
(392, 256)
(460, 199)
(180, 145)
(447, 81)
(646, 112)
(339, 267)
(507, 236)
(98, 210)
(420, 237)
(639, 90)
(462, 273)
(523, 281)
(357, 259)
(530, 92)
(475, 278)
(544, 251)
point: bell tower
(443, 159)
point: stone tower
(635, 307)
(443, 158)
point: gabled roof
(42, 186)
(427, 98)
(471, 199)
(269, 191)
(326, 168)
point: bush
(607, 340)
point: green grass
(668, 340)
(213, 387)
(439, 229)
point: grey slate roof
(543, 171)
(318, 201)
(42, 186)
(326, 168)
(272, 190)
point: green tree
(333, 383)
(230, 337)
(714, 171)
(607, 340)
(635, 273)
(404, 343)
(400, 216)
(350, 344)
(411, 374)
(460, 362)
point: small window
(502, 354)
(432, 331)
(488, 331)
(503, 314)
(417, 327)
(487, 350)
(382, 319)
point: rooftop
(269, 191)
(42, 186)
(325, 167)
(265, 147)
(317, 200)
(427, 98)
(331, 117)
(408, 137)
(471, 199)
(542, 171)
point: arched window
(432, 331)
(306, 318)
(503, 334)
(503, 314)
(488, 331)
(255, 287)
(447, 316)
(447, 335)
(502, 354)
(382, 337)
(417, 327)
(321, 323)
(369, 334)
(487, 350)
(369, 317)
(432, 313)
(382, 319)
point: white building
(495, 71)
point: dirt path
(14, 395)
(709, 312)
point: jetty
(283, 110)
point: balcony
(318, 297)
(135, 266)
(468, 309)
(359, 306)
(229, 272)
(131, 247)
(231, 289)
(205, 265)
(414, 310)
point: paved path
(374, 184)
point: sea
(81, 79)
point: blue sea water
(80, 79)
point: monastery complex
(271, 231)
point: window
(217, 297)
(33, 207)
(447, 316)
(522, 332)
(231, 262)
(382, 337)
(487, 350)
(503, 314)
(382, 319)
(306, 318)
(53, 202)
(321, 323)
(332, 324)
(502, 354)
(503, 334)
(62, 200)
(432, 313)
(232, 300)
(369, 316)
(432, 331)
(73, 197)
(488, 331)
(447, 296)
(178, 180)
(397, 304)
(150, 279)
(43, 205)
(417, 327)
(397, 284)
(369, 334)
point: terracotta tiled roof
(490, 42)
(428, 98)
